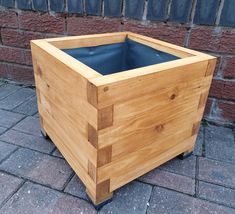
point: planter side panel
(62, 100)
(155, 118)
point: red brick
(222, 89)
(3, 70)
(227, 42)
(204, 38)
(19, 38)
(16, 72)
(82, 25)
(16, 55)
(227, 110)
(34, 21)
(8, 19)
(208, 107)
(228, 67)
(172, 34)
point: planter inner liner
(113, 58)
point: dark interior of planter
(113, 58)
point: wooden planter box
(116, 126)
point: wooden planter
(114, 128)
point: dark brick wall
(207, 26)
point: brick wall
(204, 25)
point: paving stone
(170, 180)
(8, 185)
(2, 129)
(30, 125)
(217, 172)
(167, 201)
(199, 142)
(93, 7)
(57, 154)
(8, 119)
(157, 10)
(113, 8)
(217, 194)
(40, 5)
(185, 167)
(75, 6)
(24, 4)
(34, 198)
(206, 12)
(39, 167)
(75, 187)
(219, 143)
(29, 107)
(16, 98)
(57, 5)
(132, 198)
(134, 9)
(29, 141)
(6, 149)
(228, 16)
(180, 10)
(8, 89)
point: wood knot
(173, 96)
(39, 71)
(106, 88)
(159, 128)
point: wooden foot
(185, 155)
(99, 203)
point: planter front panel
(114, 128)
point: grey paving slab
(5, 150)
(17, 98)
(8, 185)
(38, 167)
(75, 187)
(132, 198)
(167, 201)
(29, 107)
(217, 172)
(217, 194)
(34, 198)
(219, 143)
(170, 180)
(7, 89)
(28, 141)
(8, 119)
(30, 125)
(185, 167)
(2, 130)
(199, 142)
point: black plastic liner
(113, 58)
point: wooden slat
(120, 91)
(151, 163)
(138, 158)
(54, 79)
(88, 40)
(77, 141)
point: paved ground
(34, 177)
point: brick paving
(35, 178)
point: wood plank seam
(202, 100)
(195, 128)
